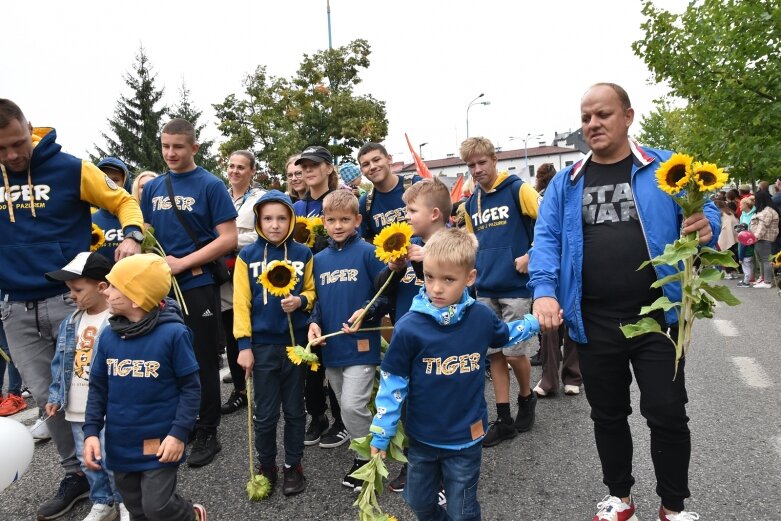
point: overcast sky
(63, 62)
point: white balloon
(16, 451)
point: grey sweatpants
(31, 328)
(151, 495)
(353, 388)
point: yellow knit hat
(145, 279)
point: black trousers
(314, 393)
(232, 351)
(203, 306)
(151, 495)
(605, 365)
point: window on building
(531, 170)
(567, 163)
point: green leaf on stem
(644, 326)
(676, 252)
(362, 446)
(703, 308)
(711, 257)
(711, 275)
(661, 303)
(722, 294)
(666, 280)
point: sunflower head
(392, 242)
(279, 278)
(294, 354)
(708, 176)
(303, 232)
(97, 238)
(673, 175)
(258, 487)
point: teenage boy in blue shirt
(144, 388)
(344, 274)
(438, 351)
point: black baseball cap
(86, 264)
(316, 154)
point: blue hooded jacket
(105, 220)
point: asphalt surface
(552, 472)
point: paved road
(551, 473)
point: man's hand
(91, 453)
(375, 451)
(314, 332)
(51, 409)
(351, 326)
(126, 248)
(698, 223)
(170, 450)
(548, 312)
(415, 253)
(176, 264)
(291, 303)
(246, 361)
(522, 264)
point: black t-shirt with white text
(614, 245)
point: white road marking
(725, 327)
(777, 443)
(751, 372)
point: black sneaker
(205, 447)
(236, 401)
(498, 431)
(334, 437)
(397, 485)
(227, 379)
(350, 482)
(536, 359)
(526, 407)
(294, 482)
(317, 427)
(72, 488)
(271, 472)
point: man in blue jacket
(600, 219)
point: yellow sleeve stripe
(530, 200)
(308, 288)
(97, 190)
(242, 299)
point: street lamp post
(420, 149)
(470, 106)
(526, 149)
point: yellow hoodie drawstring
(7, 197)
(30, 187)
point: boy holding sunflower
(273, 292)
(344, 275)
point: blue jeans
(14, 378)
(458, 470)
(102, 488)
(278, 381)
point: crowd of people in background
(544, 261)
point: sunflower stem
(290, 329)
(329, 335)
(360, 318)
(249, 428)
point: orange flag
(455, 192)
(419, 164)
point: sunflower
(317, 226)
(303, 232)
(97, 238)
(392, 242)
(709, 177)
(279, 278)
(299, 355)
(674, 173)
(294, 355)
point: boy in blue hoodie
(344, 274)
(438, 351)
(144, 388)
(77, 341)
(116, 170)
(260, 325)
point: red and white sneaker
(680, 516)
(200, 512)
(611, 508)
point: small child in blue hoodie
(344, 274)
(438, 351)
(260, 325)
(144, 388)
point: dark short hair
(180, 126)
(371, 147)
(249, 156)
(623, 97)
(10, 111)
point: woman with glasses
(296, 188)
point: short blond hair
(340, 201)
(137, 181)
(452, 245)
(476, 146)
(433, 193)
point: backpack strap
(527, 221)
(406, 181)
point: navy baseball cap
(316, 154)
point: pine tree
(186, 110)
(136, 123)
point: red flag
(419, 164)
(455, 192)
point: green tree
(723, 57)
(137, 121)
(185, 110)
(278, 117)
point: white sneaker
(101, 512)
(40, 431)
(611, 508)
(571, 390)
(680, 516)
(762, 285)
(124, 515)
(538, 391)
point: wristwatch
(135, 235)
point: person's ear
(471, 278)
